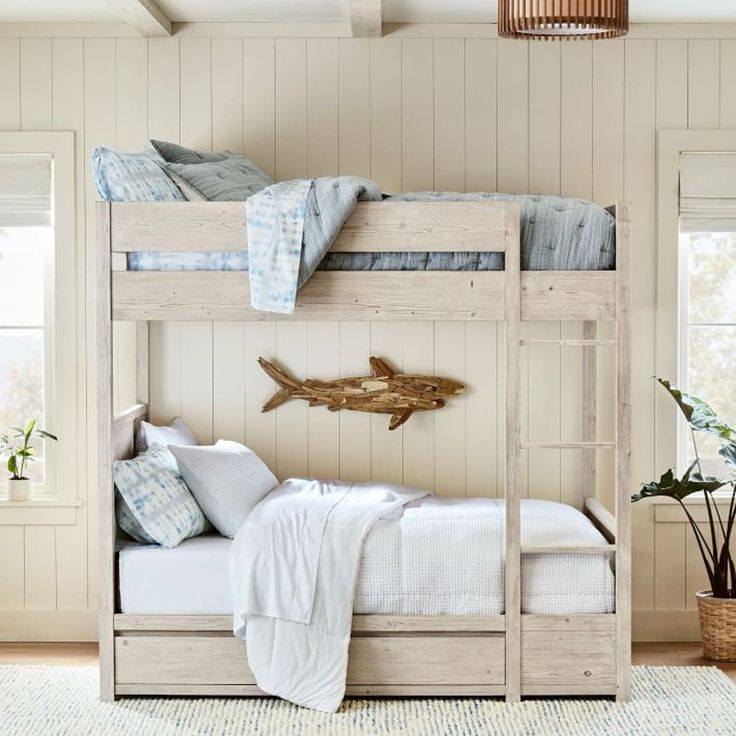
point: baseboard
(73, 625)
(81, 625)
(666, 626)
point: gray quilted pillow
(176, 154)
(230, 180)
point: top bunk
(443, 284)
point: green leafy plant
(714, 544)
(17, 445)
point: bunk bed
(511, 655)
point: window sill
(41, 511)
(667, 510)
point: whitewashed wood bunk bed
(510, 655)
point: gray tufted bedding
(557, 234)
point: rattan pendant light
(563, 19)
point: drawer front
(576, 658)
(185, 660)
(426, 660)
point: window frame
(672, 319)
(64, 414)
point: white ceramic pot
(19, 490)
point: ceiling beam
(144, 15)
(365, 18)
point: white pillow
(177, 433)
(226, 479)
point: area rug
(62, 701)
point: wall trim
(48, 625)
(338, 30)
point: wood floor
(678, 654)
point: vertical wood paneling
(12, 565)
(40, 567)
(10, 83)
(386, 141)
(704, 83)
(227, 94)
(417, 111)
(449, 115)
(419, 431)
(163, 88)
(450, 422)
(639, 162)
(259, 114)
(386, 447)
(480, 115)
(292, 437)
(36, 76)
(228, 387)
(195, 84)
(68, 114)
(291, 108)
(322, 111)
(354, 105)
(355, 427)
(412, 113)
(323, 426)
(513, 124)
(260, 428)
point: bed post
(513, 454)
(105, 498)
(142, 390)
(623, 453)
(590, 361)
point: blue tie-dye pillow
(153, 502)
(132, 177)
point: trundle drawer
(568, 662)
(181, 660)
(425, 660)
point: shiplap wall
(412, 113)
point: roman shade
(25, 189)
(708, 192)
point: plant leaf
(46, 435)
(28, 431)
(12, 464)
(728, 453)
(699, 415)
(678, 488)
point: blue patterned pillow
(153, 503)
(132, 177)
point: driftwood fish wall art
(383, 392)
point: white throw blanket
(294, 566)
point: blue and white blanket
(291, 226)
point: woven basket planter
(717, 626)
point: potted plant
(17, 445)
(717, 606)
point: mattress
(557, 234)
(436, 556)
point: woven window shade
(563, 19)
(25, 190)
(708, 192)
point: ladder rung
(567, 342)
(565, 445)
(573, 549)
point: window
(26, 291)
(707, 294)
(41, 307)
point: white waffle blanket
(443, 555)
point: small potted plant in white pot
(717, 606)
(16, 444)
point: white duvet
(313, 552)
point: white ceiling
(297, 11)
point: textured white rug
(51, 701)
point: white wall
(412, 112)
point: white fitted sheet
(436, 556)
